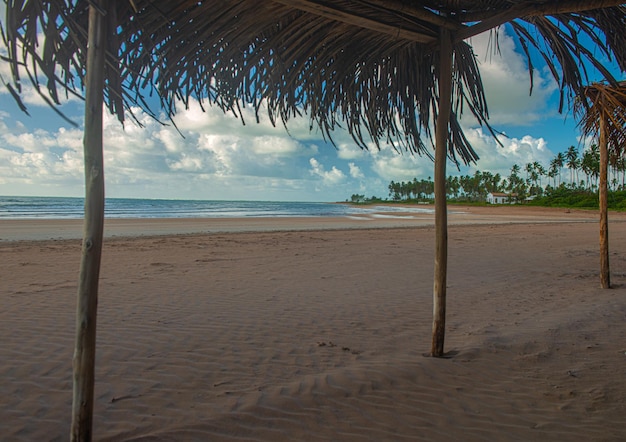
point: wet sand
(43, 229)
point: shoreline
(61, 229)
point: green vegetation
(579, 198)
(535, 185)
(362, 199)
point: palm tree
(534, 178)
(572, 164)
(601, 109)
(541, 172)
(586, 165)
(553, 172)
(388, 70)
(394, 190)
(560, 162)
(453, 186)
(617, 162)
(529, 170)
(516, 184)
(490, 182)
(594, 170)
(620, 167)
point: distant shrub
(583, 199)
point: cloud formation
(214, 156)
(507, 82)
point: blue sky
(219, 158)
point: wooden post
(605, 274)
(87, 297)
(441, 215)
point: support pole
(441, 215)
(605, 274)
(87, 297)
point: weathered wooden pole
(605, 274)
(441, 215)
(87, 298)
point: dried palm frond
(608, 103)
(570, 44)
(368, 65)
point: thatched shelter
(601, 110)
(387, 70)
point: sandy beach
(314, 329)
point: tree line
(569, 171)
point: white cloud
(39, 157)
(330, 177)
(275, 145)
(208, 161)
(170, 140)
(186, 164)
(392, 166)
(355, 171)
(348, 150)
(213, 120)
(219, 157)
(500, 158)
(507, 83)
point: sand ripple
(320, 335)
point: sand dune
(320, 335)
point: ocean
(21, 207)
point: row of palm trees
(589, 164)
(476, 187)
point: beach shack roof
(370, 66)
(601, 102)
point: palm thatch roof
(369, 65)
(604, 102)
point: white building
(501, 198)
